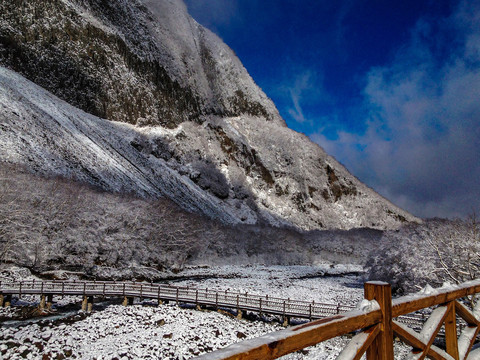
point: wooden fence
(376, 326)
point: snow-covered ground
(324, 283)
(145, 331)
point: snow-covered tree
(458, 250)
(435, 252)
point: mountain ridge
(201, 132)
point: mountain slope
(199, 130)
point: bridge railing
(229, 298)
(375, 324)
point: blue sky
(390, 88)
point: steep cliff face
(141, 62)
(199, 130)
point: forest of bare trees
(53, 223)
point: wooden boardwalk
(239, 302)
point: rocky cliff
(135, 96)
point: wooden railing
(375, 323)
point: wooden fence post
(382, 346)
(451, 340)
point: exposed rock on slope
(214, 143)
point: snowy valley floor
(145, 331)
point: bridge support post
(7, 300)
(84, 303)
(43, 301)
(382, 347)
(127, 300)
(239, 314)
(49, 302)
(89, 304)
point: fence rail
(376, 326)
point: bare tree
(435, 252)
(13, 217)
(458, 250)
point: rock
(241, 335)
(69, 341)
(68, 352)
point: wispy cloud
(302, 83)
(306, 87)
(421, 147)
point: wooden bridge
(376, 325)
(236, 301)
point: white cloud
(421, 148)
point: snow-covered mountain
(135, 96)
